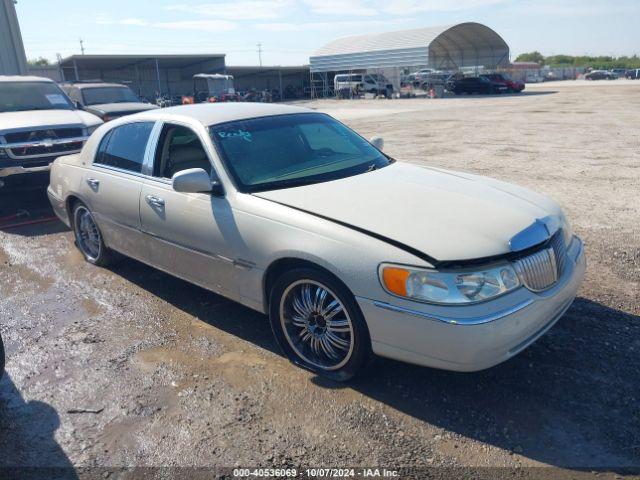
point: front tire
(88, 237)
(318, 325)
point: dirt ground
(131, 367)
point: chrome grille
(28, 144)
(539, 270)
(560, 249)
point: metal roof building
(12, 57)
(448, 47)
(147, 75)
(445, 47)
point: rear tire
(89, 238)
(318, 324)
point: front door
(187, 233)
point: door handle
(93, 183)
(155, 201)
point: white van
(356, 83)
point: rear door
(112, 186)
(191, 235)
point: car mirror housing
(195, 180)
(378, 142)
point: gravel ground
(128, 366)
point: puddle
(91, 307)
(236, 367)
(15, 275)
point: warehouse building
(147, 75)
(13, 60)
(449, 48)
(292, 81)
(172, 75)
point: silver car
(349, 252)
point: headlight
(448, 287)
(92, 129)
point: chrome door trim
(239, 263)
(456, 321)
(150, 151)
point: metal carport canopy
(451, 46)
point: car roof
(82, 85)
(216, 113)
(24, 78)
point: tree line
(600, 63)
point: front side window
(100, 95)
(24, 96)
(291, 150)
(179, 148)
(124, 146)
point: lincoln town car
(348, 251)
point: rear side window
(124, 146)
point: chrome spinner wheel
(87, 233)
(316, 324)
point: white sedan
(349, 252)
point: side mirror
(196, 180)
(378, 142)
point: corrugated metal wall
(13, 60)
(143, 77)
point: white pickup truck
(38, 123)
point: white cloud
(576, 8)
(206, 25)
(322, 26)
(341, 7)
(134, 21)
(239, 10)
(406, 7)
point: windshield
(98, 95)
(24, 96)
(284, 151)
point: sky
(289, 31)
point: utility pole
(260, 53)
(82, 46)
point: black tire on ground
(360, 341)
(100, 255)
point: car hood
(10, 121)
(122, 107)
(447, 215)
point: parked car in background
(500, 84)
(210, 88)
(599, 75)
(533, 78)
(618, 72)
(38, 123)
(514, 86)
(346, 85)
(431, 80)
(280, 208)
(424, 73)
(633, 74)
(470, 85)
(105, 100)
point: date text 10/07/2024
(316, 472)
